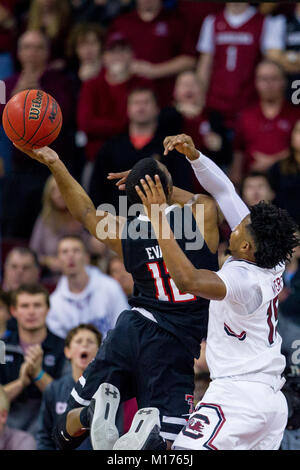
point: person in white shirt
(243, 407)
(83, 294)
(231, 43)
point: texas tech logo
(205, 424)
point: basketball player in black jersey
(150, 352)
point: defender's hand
(182, 143)
(44, 155)
(122, 176)
(153, 197)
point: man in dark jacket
(34, 357)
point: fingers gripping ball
(32, 119)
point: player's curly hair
(275, 234)
(146, 166)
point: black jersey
(183, 314)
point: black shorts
(144, 361)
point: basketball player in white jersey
(243, 407)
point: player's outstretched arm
(211, 178)
(78, 202)
(200, 282)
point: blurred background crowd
(126, 74)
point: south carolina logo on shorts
(205, 424)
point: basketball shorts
(236, 415)
(144, 361)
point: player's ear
(245, 246)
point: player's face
(20, 269)
(88, 48)
(33, 50)
(31, 311)
(257, 189)
(270, 82)
(187, 89)
(240, 239)
(72, 256)
(142, 108)
(82, 349)
(295, 137)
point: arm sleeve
(215, 182)
(241, 288)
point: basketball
(32, 119)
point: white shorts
(236, 415)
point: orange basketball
(32, 119)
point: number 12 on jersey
(160, 287)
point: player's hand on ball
(44, 155)
(153, 196)
(121, 176)
(183, 144)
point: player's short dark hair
(274, 233)
(83, 326)
(32, 289)
(146, 166)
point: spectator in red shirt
(102, 106)
(160, 42)
(264, 129)
(231, 44)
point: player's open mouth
(83, 355)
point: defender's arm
(200, 282)
(211, 178)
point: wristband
(38, 377)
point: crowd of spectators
(126, 74)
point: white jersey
(242, 339)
